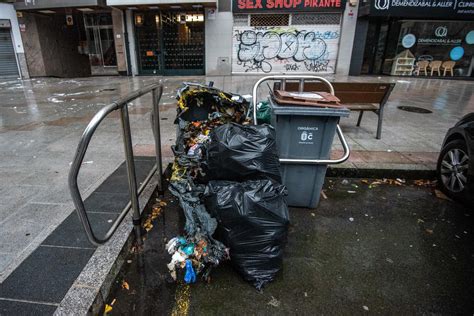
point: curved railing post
(86, 137)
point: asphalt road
(380, 249)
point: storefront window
(437, 42)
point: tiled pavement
(38, 285)
(41, 121)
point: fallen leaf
(125, 285)
(364, 181)
(113, 302)
(312, 214)
(429, 231)
(365, 308)
(441, 195)
(419, 221)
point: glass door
(101, 45)
(183, 43)
(148, 39)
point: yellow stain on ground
(182, 299)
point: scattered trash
(200, 110)
(312, 214)
(107, 309)
(305, 294)
(351, 192)
(323, 194)
(345, 182)
(434, 245)
(213, 145)
(429, 231)
(274, 302)
(365, 308)
(264, 112)
(389, 260)
(351, 219)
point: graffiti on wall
(295, 49)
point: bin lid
(307, 110)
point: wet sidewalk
(379, 249)
(42, 120)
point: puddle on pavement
(369, 246)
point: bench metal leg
(379, 123)
(360, 117)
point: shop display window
(445, 45)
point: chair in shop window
(422, 65)
(448, 66)
(435, 65)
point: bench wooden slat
(362, 107)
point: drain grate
(414, 109)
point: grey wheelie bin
(304, 139)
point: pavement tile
(5, 260)
(71, 232)
(21, 227)
(14, 307)
(106, 202)
(46, 275)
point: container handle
(284, 78)
(324, 161)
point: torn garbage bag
(253, 222)
(242, 152)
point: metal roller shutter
(8, 66)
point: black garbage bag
(253, 222)
(242, 152)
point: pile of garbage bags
(226, 177)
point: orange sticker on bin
(149, 53)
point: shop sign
(289, 49)
(258, 6)
(446, 9)
(439, 37)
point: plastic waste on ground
(200, 109)
(215, 141)
(264, 112)
(253, 222)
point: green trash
(264, 112)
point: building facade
(186, 37)
(394, 36)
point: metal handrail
(301, 80)
(122, 105)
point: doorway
(101, 44)
(170, 42)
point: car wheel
(452, 169)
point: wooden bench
(356, 96)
